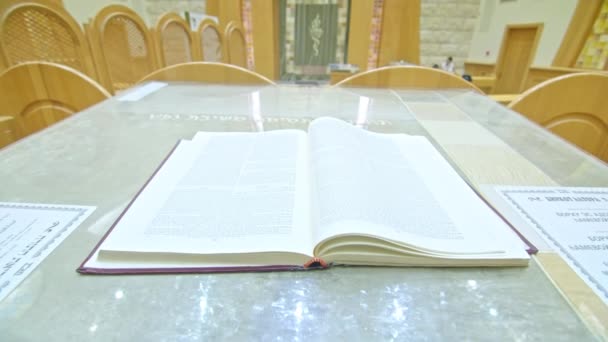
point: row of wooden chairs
(38, 94)
(64, 90)
(483, 77)
(116, 47)
(35, 95)
(572, 106)
(407, 77)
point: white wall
(83, 10)
(495, 15)
(149, 10)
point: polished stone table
(102, 156)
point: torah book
(289, 199)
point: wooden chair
(9, 130)
(574, 107)
(122, 47)
(2, 65)
(485, 83)
(236, 50)
(42, 31)
(475, 68)
(174, 40)
(210, 41)
(208, 72)
(38, 94)
(504, 99)
(538, 75)
(406, 77)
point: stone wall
(446, 29)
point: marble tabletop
(103, 155)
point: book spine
(315, 263)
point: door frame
(505, 40)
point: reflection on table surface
(103, 155)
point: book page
(223, 193)
(398, 187)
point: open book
(285, 199)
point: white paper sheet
(29, 233)
(574, 222)
(140, 92)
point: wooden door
(516, 55)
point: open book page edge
(382, 247)
(91, 261)
(91, 265)
(486, 194)
(392, 246)
(436, 164)
(180, 263)
(506, 231)
(95, 250)
(428, 262)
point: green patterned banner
(313, 35)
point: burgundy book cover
(531, 248)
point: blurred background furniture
(38, 94)
(574, 107)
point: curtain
(316, 30)
(313, 34)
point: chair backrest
(406, 77)
(208, 72)
(236, 50)
(41, 31)
(38, 94)
(123, 47)
(2, 63)
(574, 107)
(174, 39)
(9, 130)
(210, 41)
